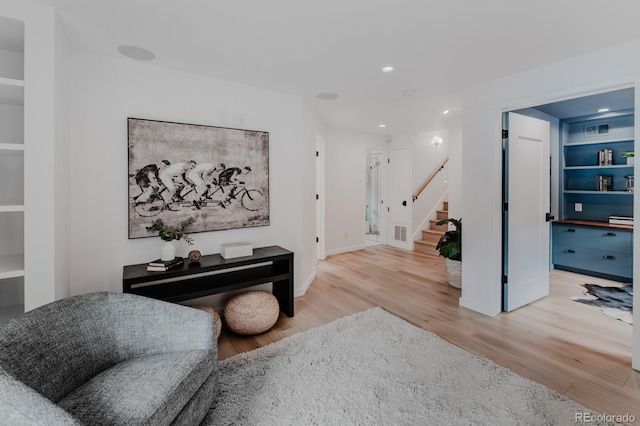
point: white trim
(298, 292)
(320, 204)
(346, 249)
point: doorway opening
(373, 201)
(591, 199)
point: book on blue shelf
(621, 220)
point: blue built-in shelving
(583, 240)
(582, 139)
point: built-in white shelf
(12, 146)
(11, 82)
(11, 266)
(9, 312)
(5, 208)
(11, 91)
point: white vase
(168, 251)
(631, 161)
(454, 272)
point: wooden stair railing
(430, 178)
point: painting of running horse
(218, 176)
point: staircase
(431, 236)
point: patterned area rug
(616, 302)
(373, 368)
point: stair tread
(434, 231)
(425, 242)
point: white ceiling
(437, 47)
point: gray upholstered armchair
(108, 359)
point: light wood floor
(567, 346)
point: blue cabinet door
(603, 262)
(615, 240)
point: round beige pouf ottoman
(253, 312)
(212, 312)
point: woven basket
(253, 312)
(454, 272)
(212, 312)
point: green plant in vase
(630, 156)
(168, 233)
(450, 247)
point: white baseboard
(298, 292)
(345, 249)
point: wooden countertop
(594, 224)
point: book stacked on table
(621, 220)
(164, 265)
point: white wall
(481, 172)
(62, 167)
(345, 188)
(454, 166)
(104, 93)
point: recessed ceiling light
(382, 125)
(446, 111)
(137, 53)
(603, 110)
(327, 96)
(387, 69)
(409, 92)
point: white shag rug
(373, 368)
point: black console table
(214, 274)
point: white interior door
(527, 194)
(398, 202)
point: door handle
(570, 230)
(610, 257)
(404, 203)
(610, 234)
(569, 251)
(549, 217)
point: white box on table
(231, 250)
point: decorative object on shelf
(253, 312)
(232, 250)
(450, 247)
(628, 183)
(160, 265)
(219, 175)
(630, 156)
(169, 233)
(195, 255)
(603, 182)
(213, 313)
